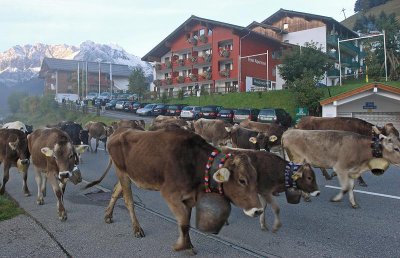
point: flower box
(207, 58)
(168, 81)
(157, 83)
(180, 62)
(207, 75)
(193, 59)
(223, 52)
(193, 77)
(168, 64)
(192, 40)
(203, 38)
(180, 79)
(224, 73)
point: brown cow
(135, 124)
(14, 152)
(349, 124)
(268, 129)
(54, 158)
(215, 131)
(98, 131)
(349, 154)
(177, 171)
(271, 179)
(248, 139)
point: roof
(367, 87)
(93, 67)
(267, 26)
(282, 12)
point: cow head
(239, 179)
(391, 148)
(65, 156)
(263, 140)
(305, 180)
(20, 146)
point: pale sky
(135, 25)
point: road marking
(370, 193)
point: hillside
(392, 6)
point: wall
(383, 104)
(301, 37)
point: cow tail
(283, 149)
(102, 177)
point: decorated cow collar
(290, 179)
(215, 161)
(376, 146)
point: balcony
(333, 73)
(347, 47)
(224, 52)
(203, 38)
(224, 73)
(205, 76)
(192, 40)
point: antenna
(344, 13)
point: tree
(298, 60)
(15, 100)
(137, 82)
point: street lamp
(371, 36)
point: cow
(271, 179)
(248, 139)
(136, 124)
(350, 124)
(177, 171)
(268, 130)
(161, 122)
(349, 154)
(14, 152)
(216, 132)
(55, 159)
(98, 131)
(16, 125)
(75, 132)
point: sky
(135, 25)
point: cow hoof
(307, 199)
(40, 202)
(276, 228)
(192, 251)
(264, 228)
(363, 184)
(27, 194)
(355, 206)
(335, 200)
(139, 233)
(108, 220)
(62, 217)
(180, 247)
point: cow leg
(39, 182)
(351, 194)
(97, 145)
(24, 184)
(344, 183)
(90, 143)
(326, 174)
(182, 214)
(114, 197)
(125, 182)
(262, 216)
(6, 176)
(361, 182)
(62, 213)
(275, 210)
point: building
(74, 79)
(297, 28)
(207, 55)
(375, 102)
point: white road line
(370, 193)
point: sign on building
(255, 84)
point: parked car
(245, 113)
(190, 112)
(133, 108)
(210, 112)
(119, 105)
(226, 114)
(97, 101)
(111, 105)
(275, 115)
(175, 110)
(92, 95)
(160, 109)
(127, 104)
(146, 110)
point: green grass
(8, 208)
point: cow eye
(309, 178)
(71, 156)
(397, 149)
(242, 181)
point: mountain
(389, 7)
(22, 63)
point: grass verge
(8, 208)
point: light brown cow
(14, 153)
(216, 132)
(348, 153)
(135, 124)
(162, 122)
(271, 179)
(98, 131)
(177, 171)
(54, 158)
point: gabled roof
(163, 47)
(258, 24)
(55, 64)
(282, 13)
(364, 88)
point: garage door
(380, 118)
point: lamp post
(99, 77)
(371, 36)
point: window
(228, 66)
(166, 59)
(195, 34)
(286, 26)
(209, 32)
(201, 32)
(184, 56)
(166, 75)
(274, 71)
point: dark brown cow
(271, 178)
(14, 153)
(349, 124)
(98, 131)
(248, 139)
(268, 129)
(177, 171)
(161, 122)
(54, 158)
(349, 154)
(216, 132)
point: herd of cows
(193, 159)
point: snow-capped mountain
(21, 63)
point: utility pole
(344, 13)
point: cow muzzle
(315, 193)
(254, 212)
(75, 176)
(23, 165)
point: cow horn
(376, 130)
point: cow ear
(228, 129)
(273, 138)
(297, 175)
(13, 145)
(47, 151)
(376, 130)
(222, 175)
(381, 137)
(253, 140)
(81, 148)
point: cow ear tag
(222, 175)
(253, 140)
(81, 149)
(273, 138)
(296, 176)
(47, 151)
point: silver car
(190, 112)
(146, 110)
(119, 105)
